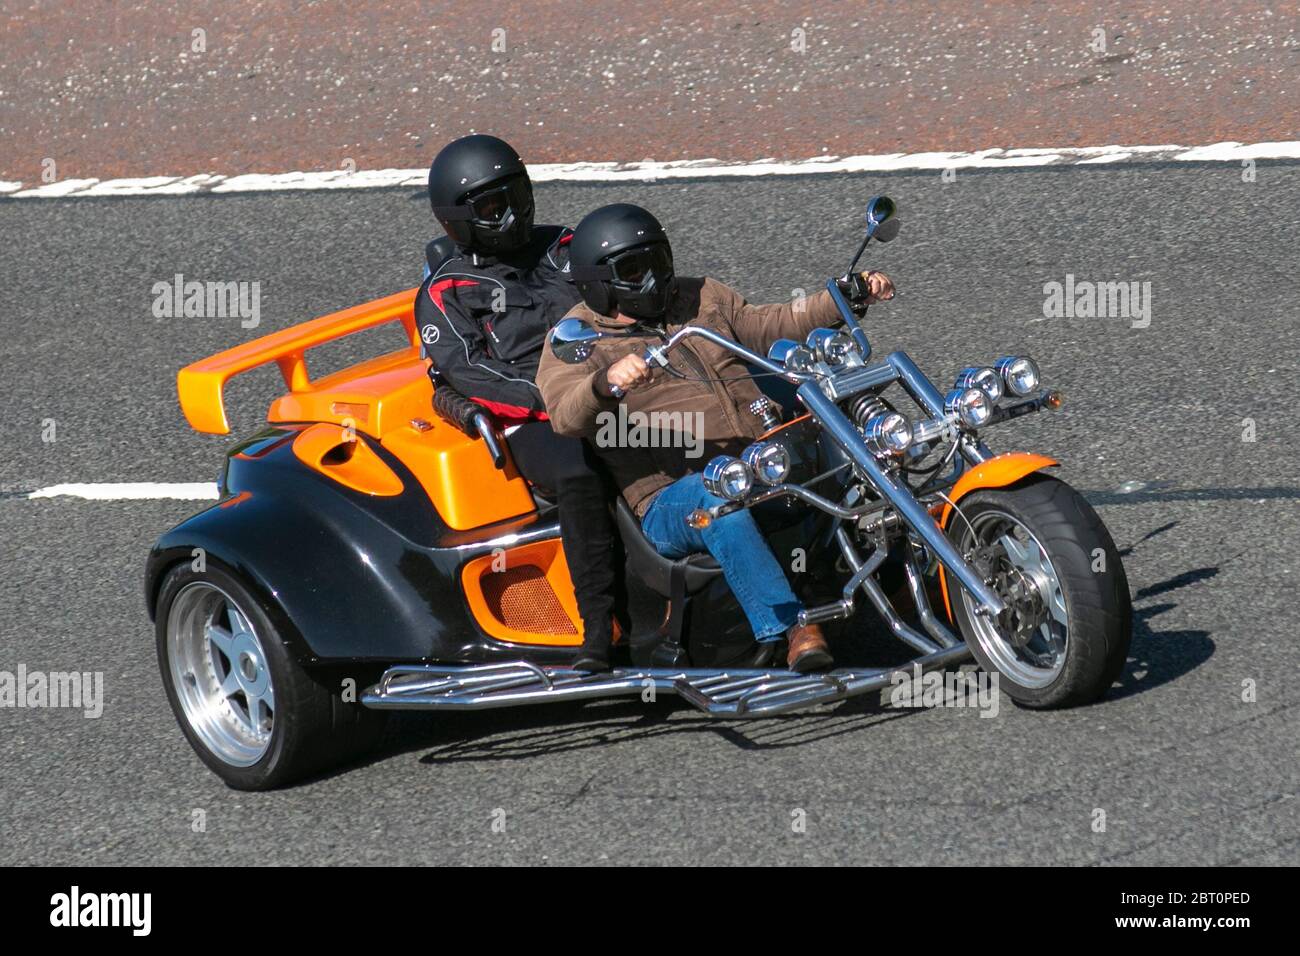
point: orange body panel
(382, 397)
(341, 456)
(997, 472)
(528, 584)
(201, 384)
(458, 475)
(374, 397)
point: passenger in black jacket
(483, 315)
(483, 318)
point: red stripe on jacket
(511, 414)
(436, 290)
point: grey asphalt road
(1185, 770)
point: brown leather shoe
(808, 650)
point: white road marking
(132, 491)
(650, 171)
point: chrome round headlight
(800, 359)
(727, 477)
(987, 380)
(971, 405)
(1020, 373)
(768, 461)
(795, 357)
(830, 346)
(779, 349)
(888, 434)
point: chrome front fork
(847, 438)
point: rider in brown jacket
(622, 264)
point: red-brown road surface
(117, 89)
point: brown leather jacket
(684, 422)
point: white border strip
(650, 171)
(132, 491)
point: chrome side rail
(740, 693)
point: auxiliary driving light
(985, 379)
(971, 405)
(768, 461)
(728, 477)
(1020, 373)
(888, 434)
(830, 346)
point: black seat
(653, 568)
(439, 251)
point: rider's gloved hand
(629, 372)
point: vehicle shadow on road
(1157, 657)
(565, 727)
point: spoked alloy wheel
(221, 675)
(1064, 636)
(1028, 641)
(252, 712)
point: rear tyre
(251, 712)
(1065, 636)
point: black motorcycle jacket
(484, 321)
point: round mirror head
(887, 230)
(572, 341)
(879, 208)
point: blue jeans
(735, 543)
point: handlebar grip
(456, 408)
(855, 287)
(652, 356)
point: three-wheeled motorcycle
(374, 548)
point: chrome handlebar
(657, 356)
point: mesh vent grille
(522, 599)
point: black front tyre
(251, 712)
(1064, 640)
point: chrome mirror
(572, 341)
(881, 224)
(879, 208)
(887, 230)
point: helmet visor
(490, 206)
(633, 265)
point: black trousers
(568, 469)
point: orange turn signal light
(699, 519)
(1053, 399)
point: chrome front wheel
(1027, 642)
(1064, 636)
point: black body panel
(348, 576)
(360, 577)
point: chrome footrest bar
(717, 692)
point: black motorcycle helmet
(621, 259)
(481, 194)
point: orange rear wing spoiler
(200, 385)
